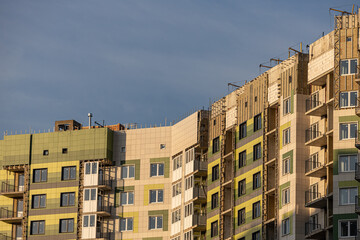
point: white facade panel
(320, 65)
(231, 117)
(177, 174)
(175, 227)
(176, 201)
(189, 194)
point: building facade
(275, 159)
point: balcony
(5, 237)
(11, 191)
(315, 199)
(104, 209)
(314, 138)
(315, 108)
(357, 172)
(105, 182)
(9, 216)
(199, 221)
(102, 233)
(314, 231)
(314, 168)
(196, 166)
(199, 194)
(357, 204)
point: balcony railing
(5, 237)
(314, 199)
(311, 134)
(311, 165)
(311, 104)
(104, 207)
(102, 233)
(6, 214)
(200, 165)
(105, 180)
(199, 192)
(199, 219)
(311, 228)
(9, 188)
(357, 172)
(357, 204)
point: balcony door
(20, 208)
(21, 182)
(18, 232)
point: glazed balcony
(11, 191)
(9, 216)
(314, 231)
(197, 166)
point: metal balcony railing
(9, 188)
(311, 104)
(200, 165)
(102, 233)
(104, 207)
(105, 180)
(5, 237)
(357, 172)
(199, 192)
(311, 227)
(357, 204)
(6, 213)
(311, 134)
(311, 196)
(311, 165)
(199, 219)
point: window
(37, 227)
(156, 169)
(189, 182)
(348, 99)
(188, 236)
(257, 122)
(242, 130)
(123, 149)
(46, 152)
(126, 224)
(214, 200)
(347, 195)
(90, 194)
(66, 225)
(176, 216)
(176, 189)
(127, 198)
(256, 180)
(241, 216)
(39, 201)
(257, 151)
(68, 173)
(156, 196)
(91, 168)
(285, 225)
(286, 136)
(347, 162)
(67, 199)
(190, 155)
(348, 39)
(285, 196)
(215, 173)
(188, 209)
(86, 221)
(290, 79)
(214, 228)
(242, 187)
(348, 228)
(242, 159)
(348, 130)
(162, 146)
(216, 145)
(64, 151)
(287, 106)
(128, 171)
(40, 175)
(256, 210)
(177, 162)
(255, 236)
(155, 222)
(348, 67)
(286, 166)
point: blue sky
(139, 61)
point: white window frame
(286, 166)
(127, 171)
(348, 197)
(156, 222)
(287, 106)
(348, 130)
(188, 235)
(176, 189)
(348, 156)
(189, 182)
(285, 196)
(176, 216)
(348, 221)
(286, 136)
(127, 198)
(157, 169)
(348, 66)
(126, 228)
(177, 162)
(157, 196)
(285, 227)
(189, 209)
(348, 99)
